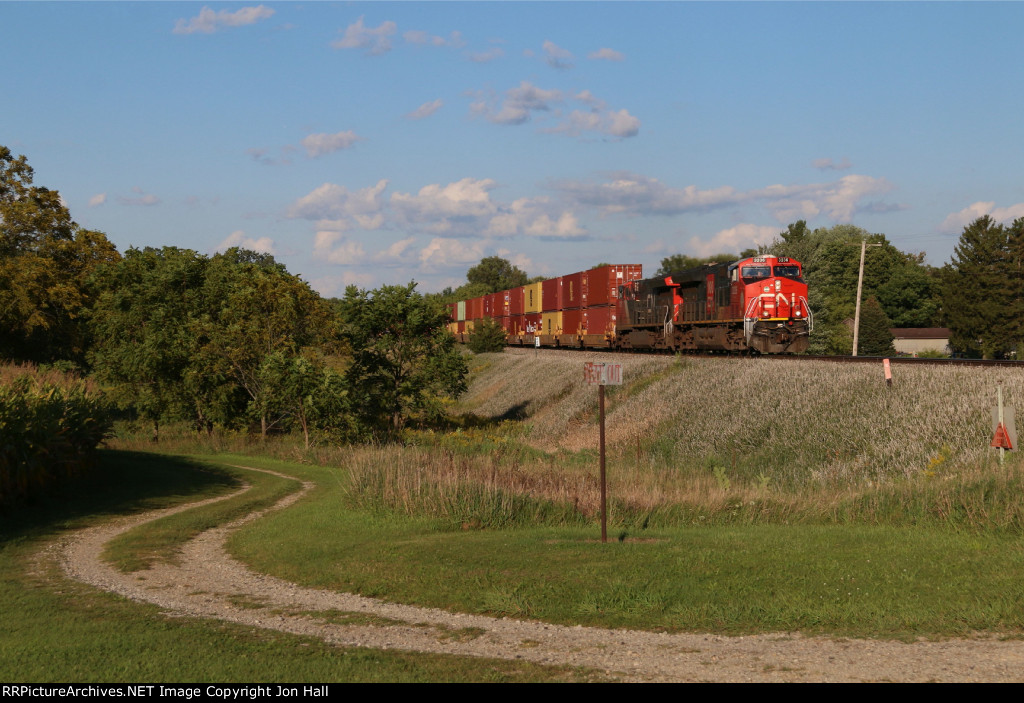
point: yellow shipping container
(531, 298)
(551, 323)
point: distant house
(914, 340)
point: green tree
(404, 360)
(983, 291)
(495, 274)
(906, 289)
(487, 336)
(875, 338)
(181, 335)
(251, 309)
(45, 261)
(682, 262)
(144, 342)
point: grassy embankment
(763, 496)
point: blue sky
(374, 143)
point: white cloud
(521, 103)
(97, 200)
(830, 165)
(320, 144)
(450, 208)
(958, 220)
(443, 253)
(732, 240)
(340, 207)
(536, 217)
(557, 57)
(619, 124)
(425, 110)
(140, 198)
(238, 238)
(375, 40)
(565, 227)
(487, 56)
(330, 286)
(606, 55)
(838, 200)
(336, 248)
(518, 104)
(421, 38)
(208, 21)
(639, 195)
(400, 252)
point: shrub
(487, 336)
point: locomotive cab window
(792, 272)
(756, 273)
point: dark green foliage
(682, 262)
(984, 289)
(491, 275)
(494, 274)
(45, 259)
(404, 360)
(487, 336)
(875, 339)
(906, 289)
(180, 335)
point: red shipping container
(603, 283)
(515, 301)
(551, 295)
(506, 323)
(501, 301)
(474, 309)
(574, 291)
(531, 323)
(515, 324)
(574, 321)
(601, 320)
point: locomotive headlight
(778, 285)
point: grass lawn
(57, 630)
(849, 580)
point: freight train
(757, 304)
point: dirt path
(209, 583)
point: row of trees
(228, 340)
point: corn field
(50, 426)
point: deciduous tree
(404, 360)
(45, 261)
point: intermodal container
(531, 298)
(574, 321)
(603, 283)
(515, 324)
(531, 323)
(600, 319)
(574, 291)
(515, 301)
(551, 323)
(474, 309)
(551, 296)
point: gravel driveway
(210, 583)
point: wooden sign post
(601, 374)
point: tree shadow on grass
(121, 482)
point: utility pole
(860, 287)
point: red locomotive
(755, 304)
